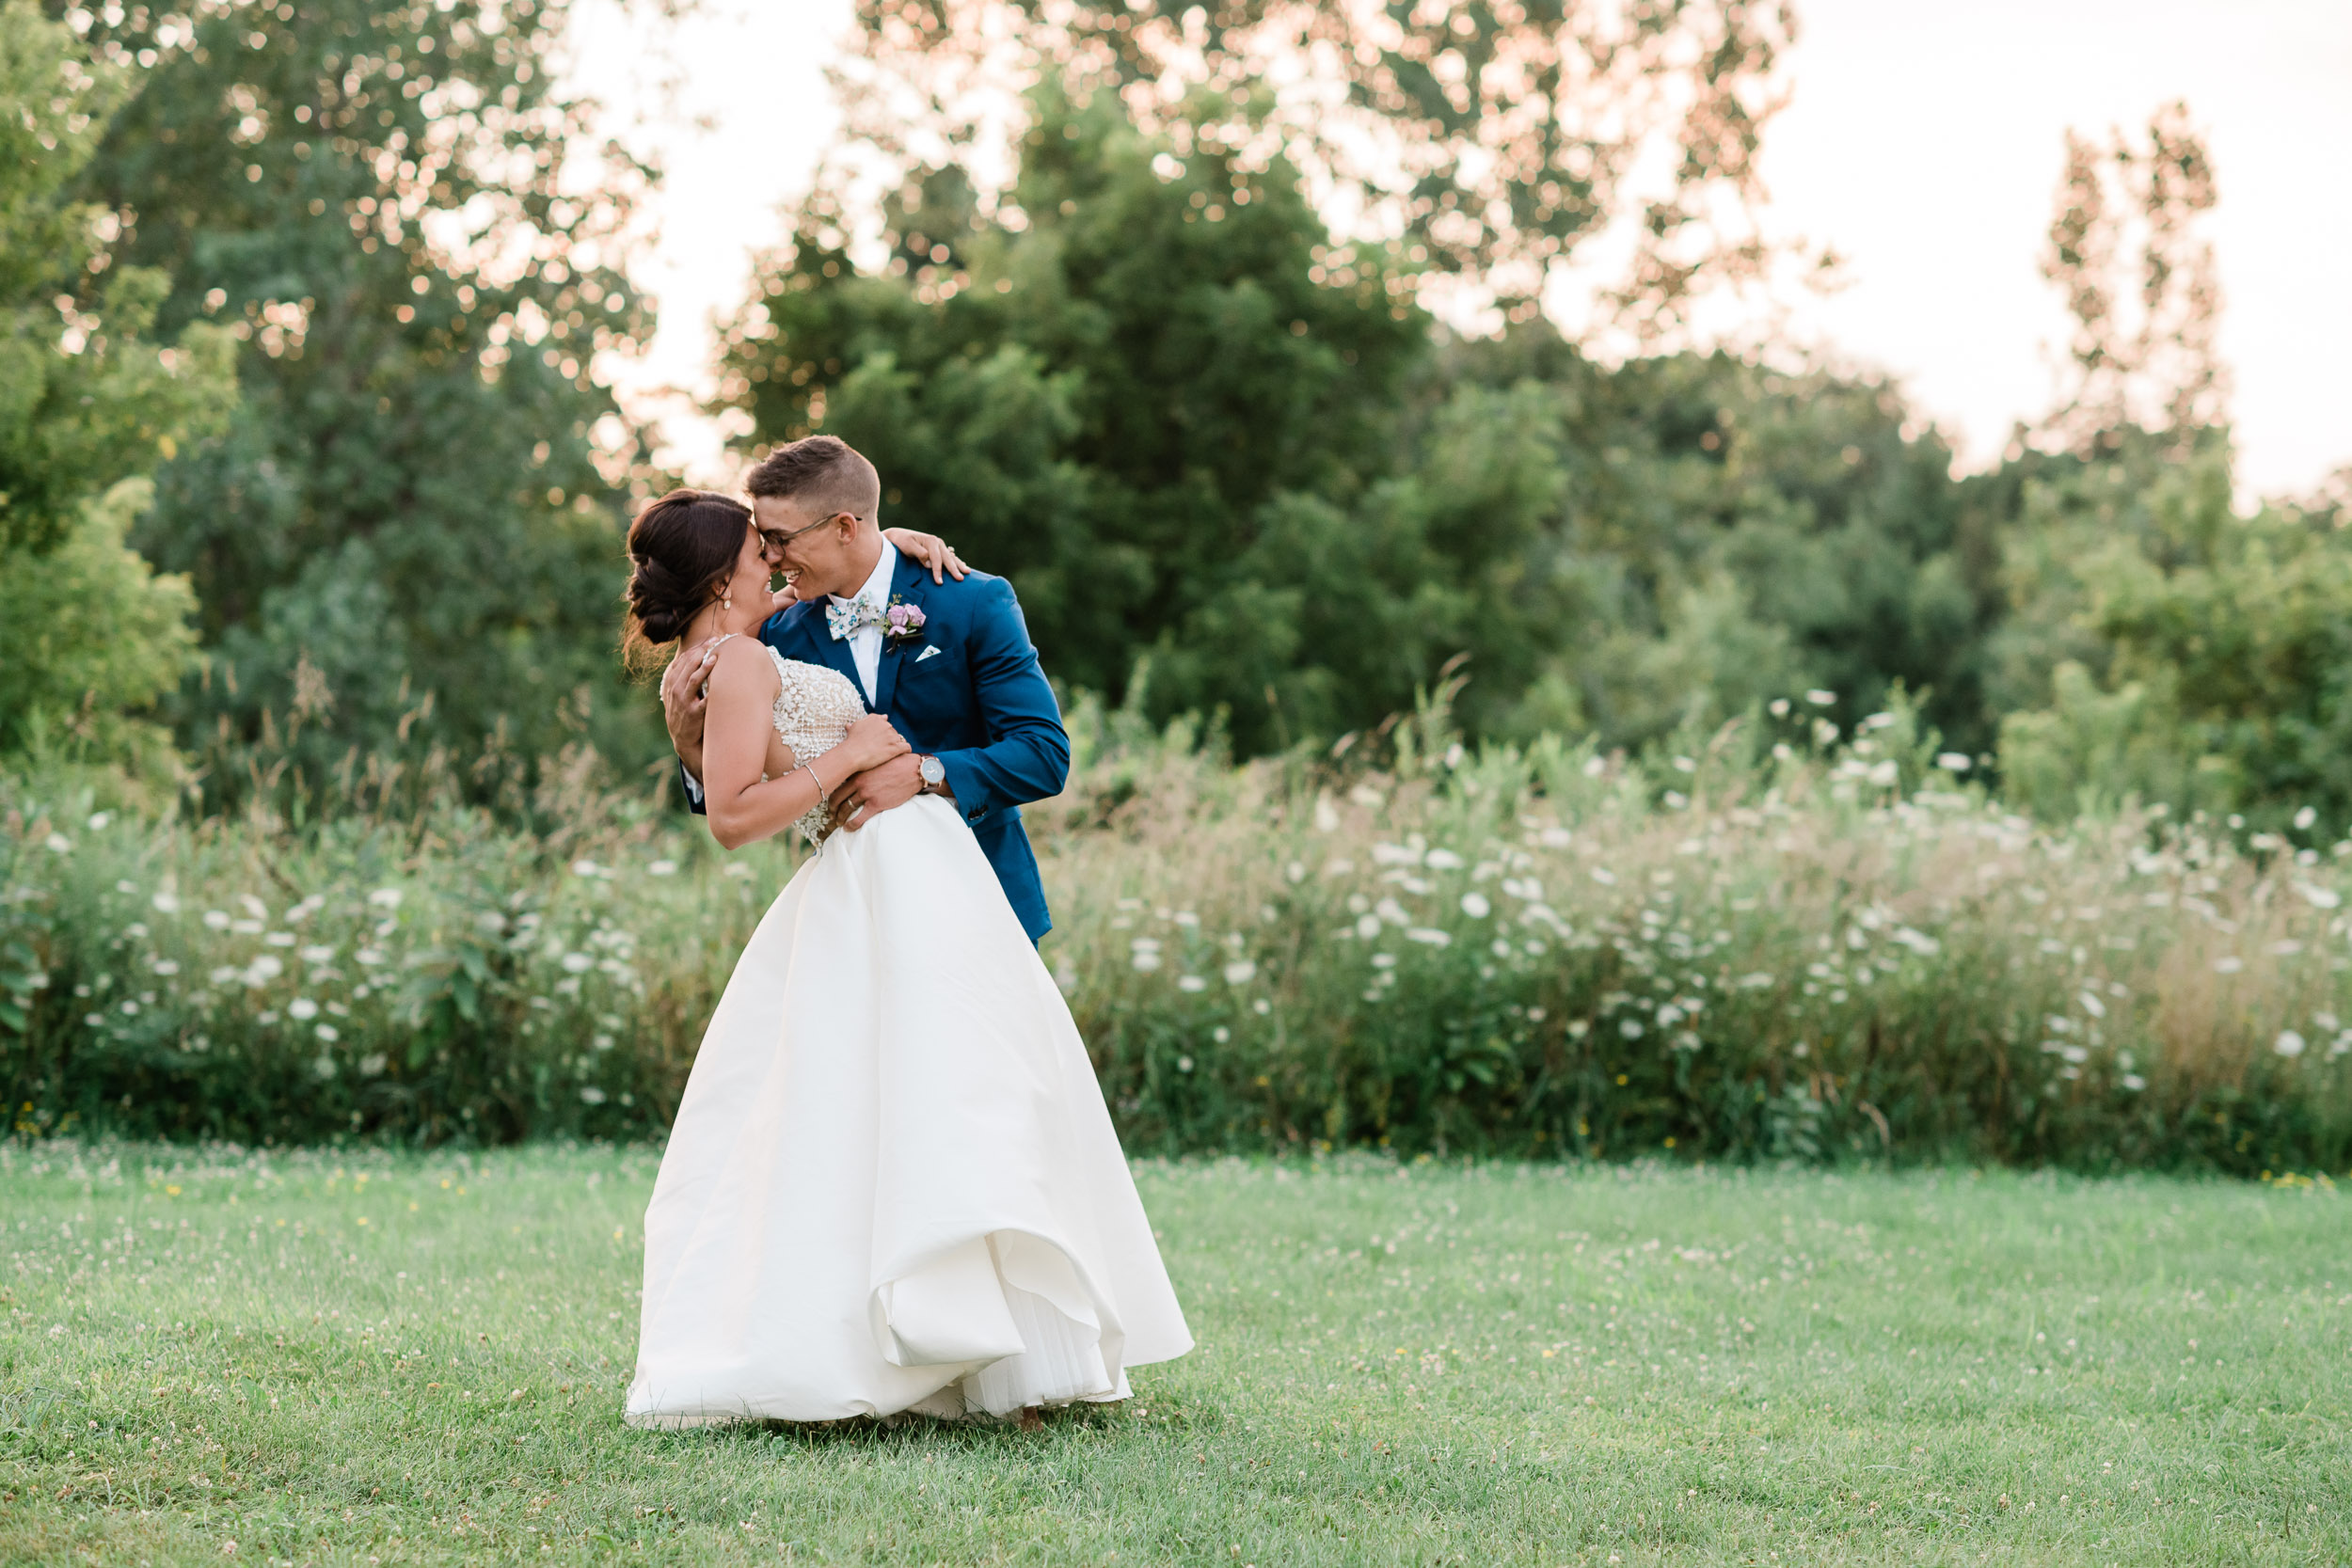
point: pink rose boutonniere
(902, 624)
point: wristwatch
(935, 773)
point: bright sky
(1924, 145)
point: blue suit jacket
(972, 694)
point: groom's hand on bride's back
(683, 702)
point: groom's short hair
(822, 473)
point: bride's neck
(710, 623)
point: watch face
(932, 769)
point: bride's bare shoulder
(743, 665)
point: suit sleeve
(1027, 755)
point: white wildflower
(2228, 964)
(2288, 1044)
(1475, 906)
(302, 1009)
(217, 919)
(577, 963)
(2304, 818)
(369, 958)
(1367, 925)
(385, 897)
(262, 970)
(1384, 960)
(586, 868)
(318, 953)
(1819, 698)
(1953, 762)
(1240, 971)
(1391, 911)
(662, 868)
(59, 843)
(165, 966)
(1443, 860)
(371, 1064)
(2092, 1006)
(1428, 936)
(591, 1095)
(327, 1033)
(1191, 982)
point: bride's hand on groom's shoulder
(929, 550)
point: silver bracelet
(823, 795)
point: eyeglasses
(776, 538)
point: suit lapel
(906, 585)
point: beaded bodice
(816, 704)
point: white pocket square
(928, 653)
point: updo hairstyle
(681, 549)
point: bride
(892, 1183)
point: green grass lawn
(362, 1357)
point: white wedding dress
(892, 1183)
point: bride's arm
(742, 809)
(929, 550)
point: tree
(89, 397)
(413, 527)
(2126, 228)
(1127, 402)
(1465, 141)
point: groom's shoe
(1032, 1419)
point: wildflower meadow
(1825, 949)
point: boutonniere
(902, 624)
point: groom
(949, 664)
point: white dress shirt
(866, 644)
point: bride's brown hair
(681, 548)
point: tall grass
(1770, 943)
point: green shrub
(1747, 950)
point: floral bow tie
(845, 620)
